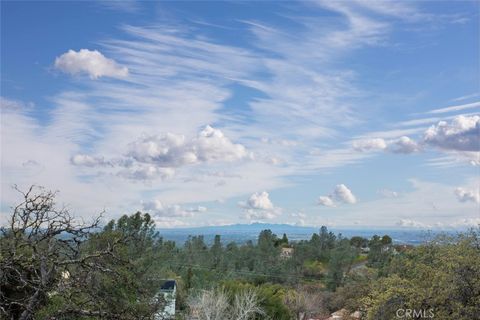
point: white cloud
(409, 223)
(401, 10)
(472, 157)
(169, 222)
(259, 207)
(301, 97)
(467, 222)
(171, 150)
(457, 107)
(89, 62)
(299, 218)
(369, 144)
(88, 161)
(128, 6)
(326, 201)
(462, 134)
(298, 215)
(14, 105)
(387, 193)
(401, 145)
(159, 209)
(455, 158)
(465, 195)
(212, 145)
(404, 145)
(254, 215)
(145, 172)
(260, 201)
(341, 193)
(466, 97)
(167, 150)
(157, 156)
(426, 203)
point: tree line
(54, 266)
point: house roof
(168, 285)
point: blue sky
(351, 113)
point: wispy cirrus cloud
(277, 100)
(456, 108)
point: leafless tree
(209, 305)
(246, 306)
(304, 303)
(40, 253)
(216, 305)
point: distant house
(365, 249)
(168, 291)
(286, 253)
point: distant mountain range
(253, 227)
(241, 233)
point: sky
(345, 114)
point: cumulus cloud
(259, 201)
(462, 134)
(88, 161)
(167, 150)
(326, 201)
(465, 195)
(212, 145)
(259, 207)
(409, 223)
(300, 218)
(404, 145)
(146, 172)
(152, 157)
(401, 145)
(159, 209)
(171, 150)
(341, 194)
(467, 222)
(168, 222)
(89, 62)
(373, 144)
